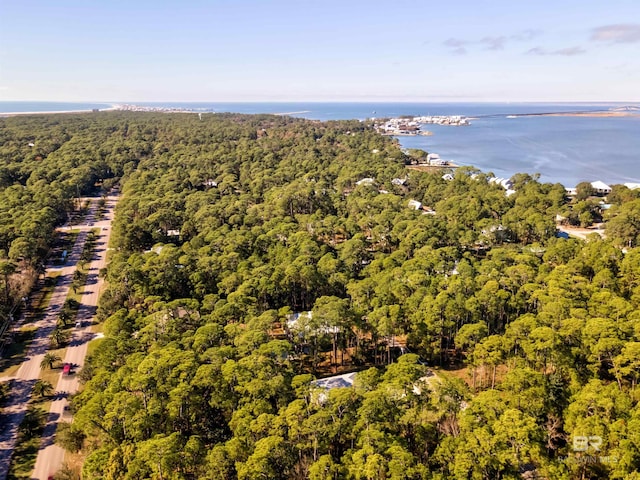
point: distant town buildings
(141, 108)
(412, 125)
(505, 183)
(452, 120)
(599, 188)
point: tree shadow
(15, 351)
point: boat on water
(512, 116)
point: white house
(505, 183)
(366, 181)
(601, 187)
(337, 381)
(416, 205)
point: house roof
(366, 181)
(598, 185)
(337, 381)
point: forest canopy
(254, 254)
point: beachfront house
(601, 188)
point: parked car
(66, 369)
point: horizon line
(442, 100)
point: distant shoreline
(13, 114)
(594, 114)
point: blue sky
(297, 50)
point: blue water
(20, 107)
(561, 149)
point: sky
(299, 50)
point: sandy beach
(596, 114)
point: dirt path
(581, 233)
(50, 457)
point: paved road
(22, 383)
(51, 456)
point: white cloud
(622, 33)
(455, 42)
(525, 35)
(567, 52)
(460, 46)
(494, 43)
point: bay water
(565, 149)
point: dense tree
(230, 226)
